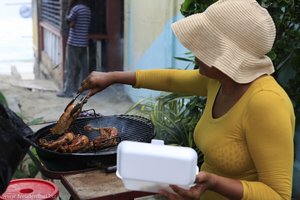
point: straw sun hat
(231, 35)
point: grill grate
(130, 127)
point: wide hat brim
(236, 47)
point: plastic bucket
(30, 188)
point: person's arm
(230, 188)
(269, 130)
(98, 81)
(71, 4)
(188, 82)
(71, 14)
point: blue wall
(159, 55)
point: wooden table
(89, 184)
(98, 185)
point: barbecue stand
(89, 184)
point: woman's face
(210, 72)
(203, 68)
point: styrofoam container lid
(153, 166)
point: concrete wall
(148, 38)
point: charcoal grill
(130, 127)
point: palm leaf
(3, 99)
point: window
(50, 12)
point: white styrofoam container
(153, 166)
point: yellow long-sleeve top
(252, 142)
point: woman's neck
(230, 87)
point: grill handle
(110, 169)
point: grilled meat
(54, 144)
(65, 120)
(107, 137)
(70, 143)
(79, 143)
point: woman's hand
(98, 81)
(227, 187)
(203, 182)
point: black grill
(130, 127)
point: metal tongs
(78, 105)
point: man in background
(76, 66)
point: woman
(246, 131)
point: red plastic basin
(30, 188)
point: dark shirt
(78, 35)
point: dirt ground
(36, 99)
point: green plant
(174, 118)
(2, 99)
(26, 169)
(286, 49)
(189, 7)
(190, 59)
